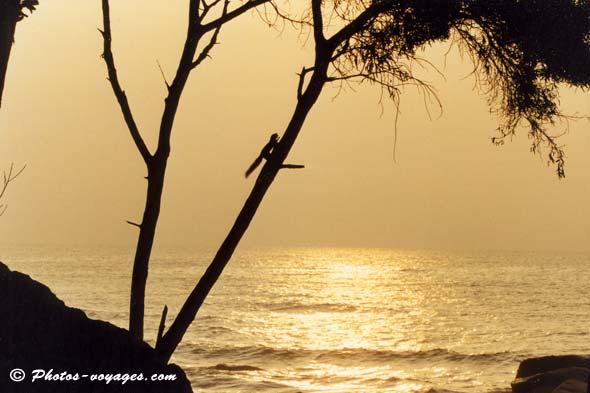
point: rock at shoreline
(571, 386)
(553, 374)
(39, 332)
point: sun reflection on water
(349, 321)
(346, 320)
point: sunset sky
(448, 187)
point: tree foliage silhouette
(522, 51)
(11, 12)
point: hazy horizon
(449, 187)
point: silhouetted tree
(200, 26)
(11, 12)
(521, 49)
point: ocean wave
(313, 307)
(239, 367)
(443, 390)
(254, 353)
(231, 383)
(219, 330)
(430, 354)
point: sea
(290, 320)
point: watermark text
(51, 375)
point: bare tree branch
(318, 22)
(207, 8)
(114, 80)
(7, 178)
(205, 52)
(232, 14)
(358, 23)
(282, 16)
(162, 324)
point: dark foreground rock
(553, 374)
(77, 354)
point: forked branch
(213, 25)
(206, 8)
(301, 82)
(205, 52)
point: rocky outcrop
(553, 374)
(56, 348)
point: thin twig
(8, 177)
(134, 224)
(292, 166)
(163, 75)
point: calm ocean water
(343, 320)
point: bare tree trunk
(156, 163)
(145, 241)
(9, 16)
(167, 345)
(156, 174)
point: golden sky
(448, 188)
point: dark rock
(39, 332)
(571, 386)
(552, 374)
(548, 381)
(543, 364)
